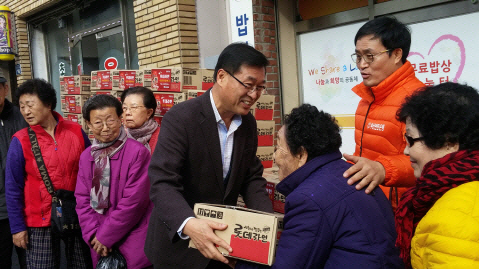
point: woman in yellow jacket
(437, 220)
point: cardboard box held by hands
(253, 235)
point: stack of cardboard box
(109, 82)
(262, 110)
(277, 198)
(170, 85)
(74, 91)
(114, 82)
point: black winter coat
(11, 121)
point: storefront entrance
(77, 38)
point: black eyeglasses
(251, 89)
(411, 140)
(368, 58)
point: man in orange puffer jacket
(382, 46)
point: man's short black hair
(149, 100)
(315, 131)
(99, 102)
(445, 113)
(39, 87)
(237, 54)
(392, 33)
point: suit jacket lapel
(209, 128)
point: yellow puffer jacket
(448, 235)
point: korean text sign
(241, 21)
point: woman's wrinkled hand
(20, 239)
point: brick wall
(22, 9)
(265, 41)
(166, 32)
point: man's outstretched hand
(368, 173)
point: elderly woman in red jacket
(28, 201)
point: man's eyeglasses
(368, 58)
(411, 141)
(99, 124)
(132, 109)
(251, 89)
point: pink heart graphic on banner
(461, 48)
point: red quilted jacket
(61, 157)
(382, 135)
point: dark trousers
(6, 247)
(217, 265)
(213, 264)
(44, 250)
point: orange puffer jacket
(380, 134)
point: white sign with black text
(241, 21)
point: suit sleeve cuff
(180, 230)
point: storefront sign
(7, 34)
(440, 51)
(241, 21)
(111, 63)
(62, 68)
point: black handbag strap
(40, 163)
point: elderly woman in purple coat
(328, 224)
(112, 186)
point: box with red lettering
(265, 132)
(194, 93)
(76, 85)
(207, 79)
(63, 103)
(177, 79)
(101, 80)
(74, 103)
(124, 79)
(253, 235)
(78, 118)
(62, 85)
(265, 155)
(263, 108)
(166, 100)
(277, 198)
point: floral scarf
(438, 177)
(101, 153)
(143, 134)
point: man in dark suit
(206, 153)
(11, 121)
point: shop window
(96, 13)
(77, 37)
(90, 52)
(50, 54)
(131, 41)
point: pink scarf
(144, 133)
(101, 153)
